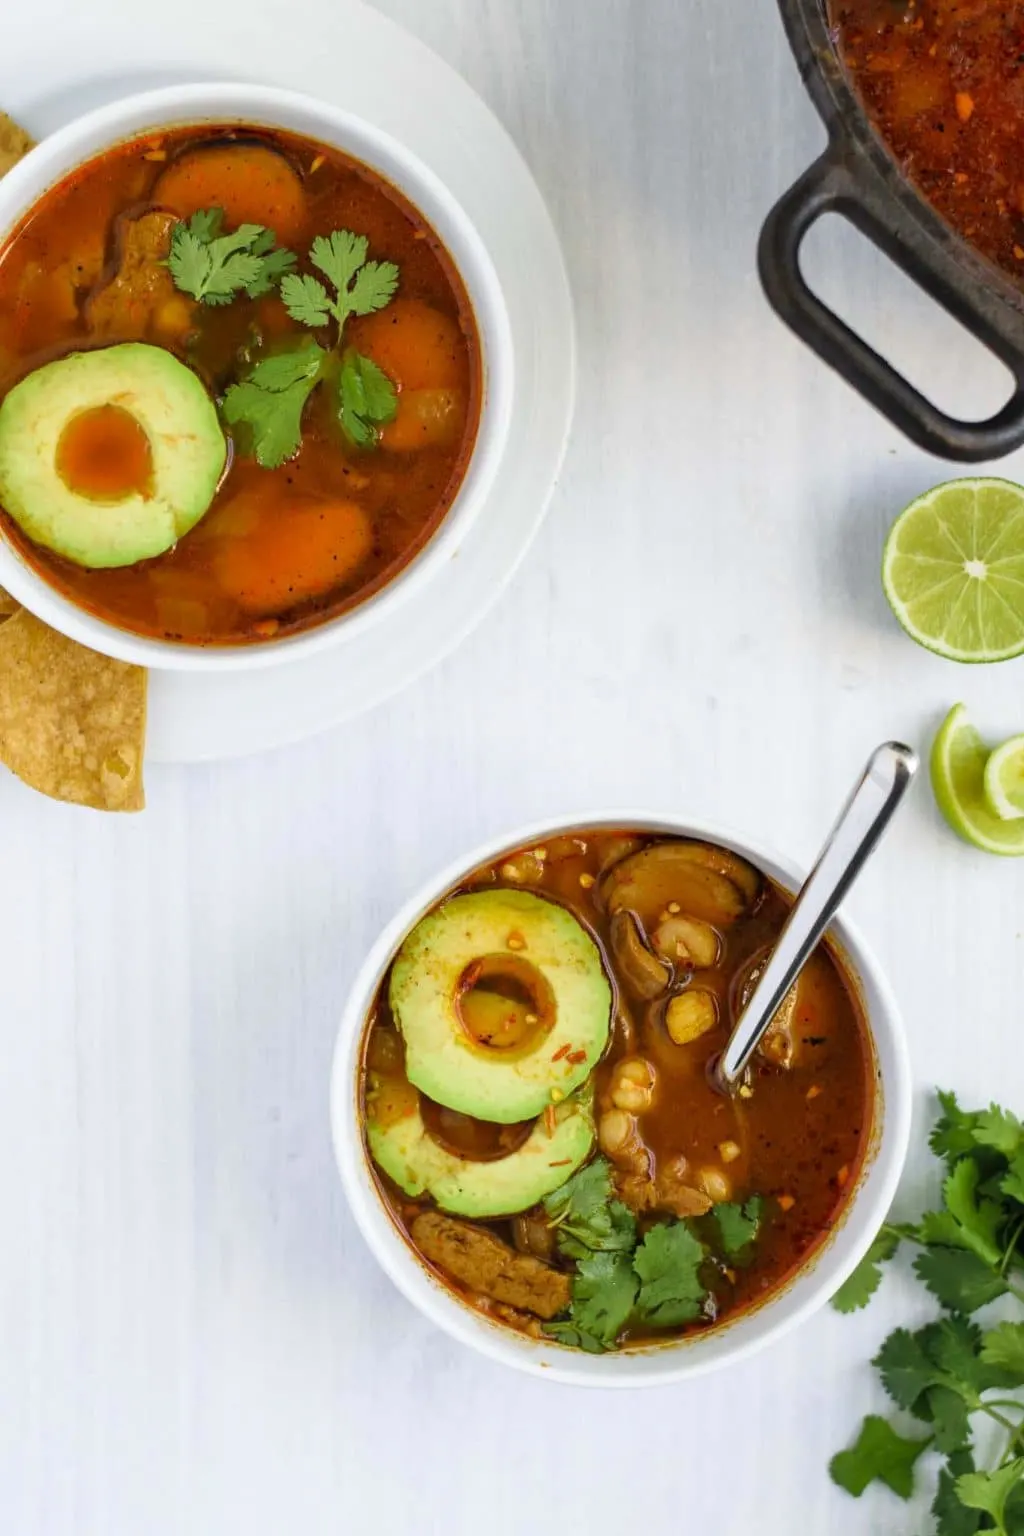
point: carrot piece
(293, 552)
(253, 185)
(427, 418)
(417, 346)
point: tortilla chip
(14, 143)
(72, 722)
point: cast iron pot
(858, 177)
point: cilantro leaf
(937, 1373)
(268, 405)
(582, 1196)
(879, 1453)
(206, 224)
(214, 268)
(361, 286)
(574, 1338)
(949, 1415)
(958, 1279)
(989, 1491)
(1012, 1183)
(857, 1289)
(306, 299)
(952, 1135)
(603, 1294)
(586, 1216)
(667, 1262)
(339, 256)
(956, 1346)
(738, 1225)
(1003, 1349)
(967, 1222)
(374, 287)
(952, 1517)
(998, 1129)
(905, 1368)
(273, 266)
(366, 398)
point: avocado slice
(444, 1060)
(403, 1147)
(187, 453)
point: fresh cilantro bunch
(215, 268)
(657, 1280)
(952, 1374)
(268, 404)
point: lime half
(1004, 779)
(959, 757)
(953, 570)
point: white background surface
(192, 1337)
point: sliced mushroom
(644, 972)
(533, 1233)
(648, 881)
(690, 1015)
(686, 941)
(616, 849)
(779, 1044)
(728, 864)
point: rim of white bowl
(271, 107)
(826, 1269)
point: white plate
(375, 69)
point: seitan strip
(482, 1262)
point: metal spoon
(861, 823)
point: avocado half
(402, 1146)
(187, 447)
(443, 1061)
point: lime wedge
(958, 764)
(953, 570)
(1004, 779)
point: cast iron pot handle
(834, 184)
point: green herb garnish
(668, 1263)
(363, 396)
(215, 268)
(366, 398)
(657, 1281)
(603, 1295)
(361, 286)
(586, 1216)
(952, 1373)
(268, 406)
(738, 1225)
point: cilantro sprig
(361, 286)
(658, 1281)
(362, 396)
(953, 1374)
(215, 268)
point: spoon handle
(861, 823)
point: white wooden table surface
(192, 1336)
